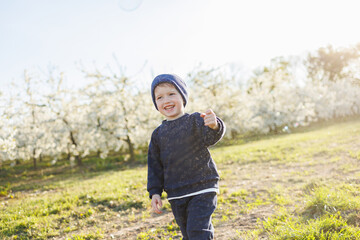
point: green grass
(324, 215)
(300, 146)
(325, 227)
(303, 185)
(326, 200)
(74, 205)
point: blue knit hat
(173, 79)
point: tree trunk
(77, 158)
(131, 148)
(34, 158)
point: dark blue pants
(193, 215)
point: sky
(164, 36)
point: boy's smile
(169, 101)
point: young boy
(179, 161)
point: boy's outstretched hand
(156, 203)
(210, 119)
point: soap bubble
(129, 5)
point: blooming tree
(113, 112)
(121, 113)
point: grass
(302, 185)
(326, 227)
(73, 205)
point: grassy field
(304, 185)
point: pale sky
(165, 35)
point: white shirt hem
(196, 193)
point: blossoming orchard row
(114, 113)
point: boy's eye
(172, 94)
(158, 98)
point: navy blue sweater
(179, 161)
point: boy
(179, 161)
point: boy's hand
(210, 119)
(156, 203)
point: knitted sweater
(179, 161)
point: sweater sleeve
(155, 183)
(209, 135)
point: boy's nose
(166, 99)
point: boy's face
(169, 101)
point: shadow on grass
(117, 206)
(23, 177)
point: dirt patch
(132, 231)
